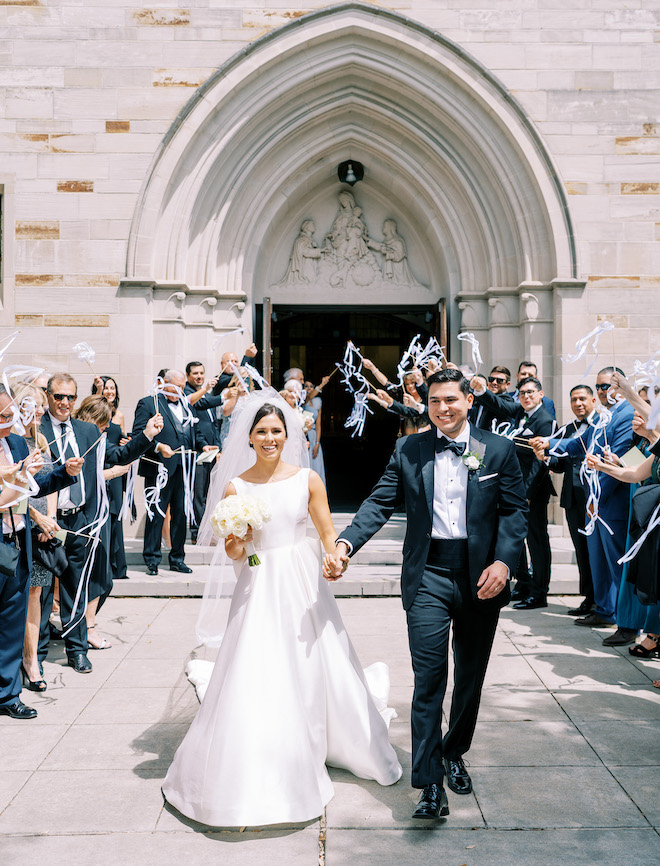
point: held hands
(335, 564)
(492, 580)
(47, 525)
(153, 426)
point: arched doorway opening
(313, 339)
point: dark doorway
(313, 339)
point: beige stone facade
(156, 164)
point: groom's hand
(492, 580)
(335, 564)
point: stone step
(359, 580)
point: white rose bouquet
(234, 515)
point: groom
(467, 519)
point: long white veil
(236, 458)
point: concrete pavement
(565, 759)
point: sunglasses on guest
(604, 387)
(497, 379)
(60, 398)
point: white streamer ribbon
(468, 337)
(583, 343)
(84, 352)
(129, 495)
(256, 376)
(591, 478)
(152, 494)
(350, 368)
(189, 467)
(222, 337)
(634, 550)
(160, 386)
(94, 530)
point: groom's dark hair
(449, 375)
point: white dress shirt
(450, 479)
(176, 409)
(64, 496)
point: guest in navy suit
(14, 589)
(604, 549)
(76, 510)
(466, 522)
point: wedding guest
(166, 450)
(207, 433)
(574, 491)
(15, 462)
(525, 369)
(314, 406)
(107, 387)
(604, 549)
(532, 419)
(76, 508)
(226, 369)
(640, 575)
(498, 382)
(48, 557)
(96, 410)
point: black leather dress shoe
(433, 803)
(582, 610)
(592, 619)
(18, 710)
(531, 603)
(181, 567)
(458, 778)
(152, 570)
(80, 663)
(519, 594)
(621, 637)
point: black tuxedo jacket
(225, 378)
(482, 416)
(173, 434)
(207, 430)
(536, 475)
(121, 455)
(496, 508)
(86, 435)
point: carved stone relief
(349, 258)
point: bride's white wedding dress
(287, 694)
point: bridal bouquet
(235, 515)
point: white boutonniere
(472, 461)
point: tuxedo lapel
(46, 428)
(479, 448)
(427, 462)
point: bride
(287, 694)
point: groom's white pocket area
(486, 477)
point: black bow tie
(444, 444)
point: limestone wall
(89, 89)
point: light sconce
(350, 172)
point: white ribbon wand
(188, 466)
(129, 495)
(636, 547)
(84, 352)
(468, 337)
(152, 494)
(222, 337)
(94, 528)
(583, 343)
(256, 376)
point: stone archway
(256, 149)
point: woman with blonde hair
(48, 556)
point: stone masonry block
(75, 186)
(81, 321)
(161, 17)
(42, 229)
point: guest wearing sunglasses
(498, 382)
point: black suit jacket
(207, 430)
(496, 508)
(86, 436)
(121, 455)
(225, 378)
(536, 475)
(171, 434)
(482, 416)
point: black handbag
(9, 553)
(50, 554)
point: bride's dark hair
(268, 409)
